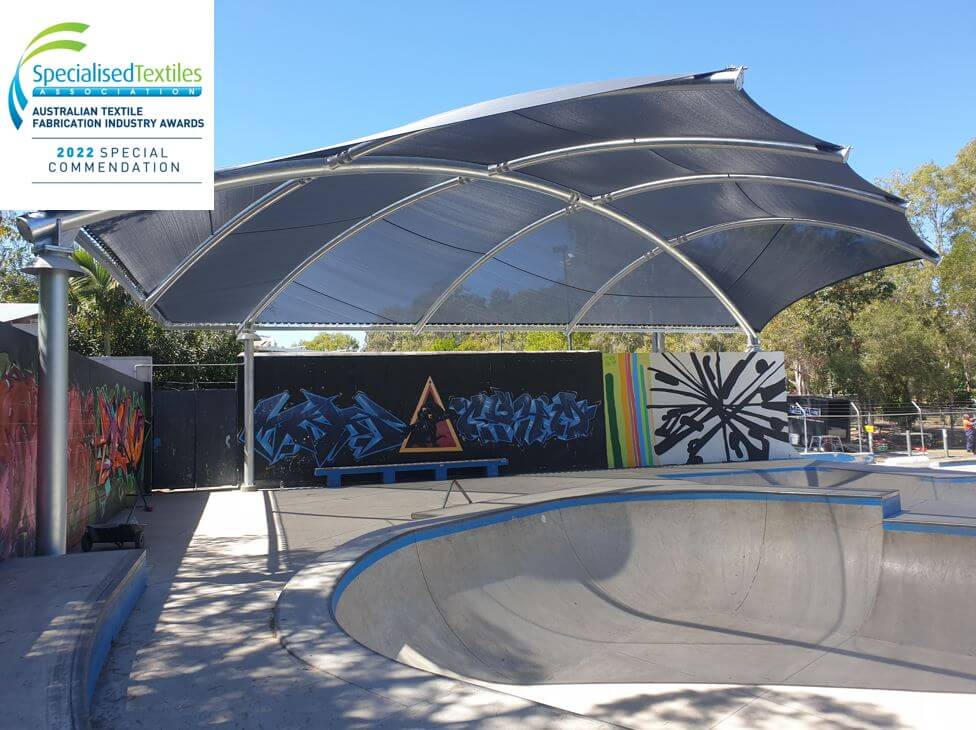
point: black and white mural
(718, 406)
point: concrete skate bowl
(734, 587)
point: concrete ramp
(753, 587)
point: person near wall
(969, 427)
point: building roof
(16, 311)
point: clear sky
(895, 79)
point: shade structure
(650, 203)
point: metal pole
(908, 441)
(569, 340)
(657, 342)
(52, 267)
(860, 442)
(921, 424)
(945, 441)
(248, 339)
(752, 343)
(806, 440)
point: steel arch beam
(283, 171)
(348, 233)
(795, 182)
(574, 324)
(833, 154)
(477, 172)
(484, 259)
(232, 224)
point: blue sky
(895, 79)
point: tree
(97, 294)
(331, 342)
(15, 254)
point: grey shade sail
(639, 204)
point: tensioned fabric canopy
(649, 203)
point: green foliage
(15, 254)
(96, 295)
(331, 342)
(905, 332)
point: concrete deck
(203, 648)
(57, 620)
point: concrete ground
(201, 647)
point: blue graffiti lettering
(497, 418)
(323, 429)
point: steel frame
(232, 224)
(293, 174)
(718, 228)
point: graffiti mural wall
(694, 408)
(718, 407)
(106, 434)
(542, 411)
(628, 419)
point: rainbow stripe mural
(629, 420)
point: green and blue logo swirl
(16, 99)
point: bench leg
(440, 473)
(333, 480)
(389, 476)
(492, 470)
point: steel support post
(248, 339)
(657, 342)
(52, 266)
(860, 427)
(752, 343)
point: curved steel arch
(718, 228)
(483, 259)
(645, 143)
(467, 170)
(303, 170)
(349, 232)
(230, 225)
(715, 178)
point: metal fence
(879, 428)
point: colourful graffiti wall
(106, 435)
(541, 411)
(695, 408)
(628, 419)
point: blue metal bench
(333, 474)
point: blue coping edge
(930, 527)
(120, 605)
(111, 605)
(890, 505)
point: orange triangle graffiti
(439, 435)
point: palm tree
(98, 290)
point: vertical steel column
(52, 267)
(248, 339)
(657, 342)
(752, 343)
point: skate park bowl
(686, 586)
